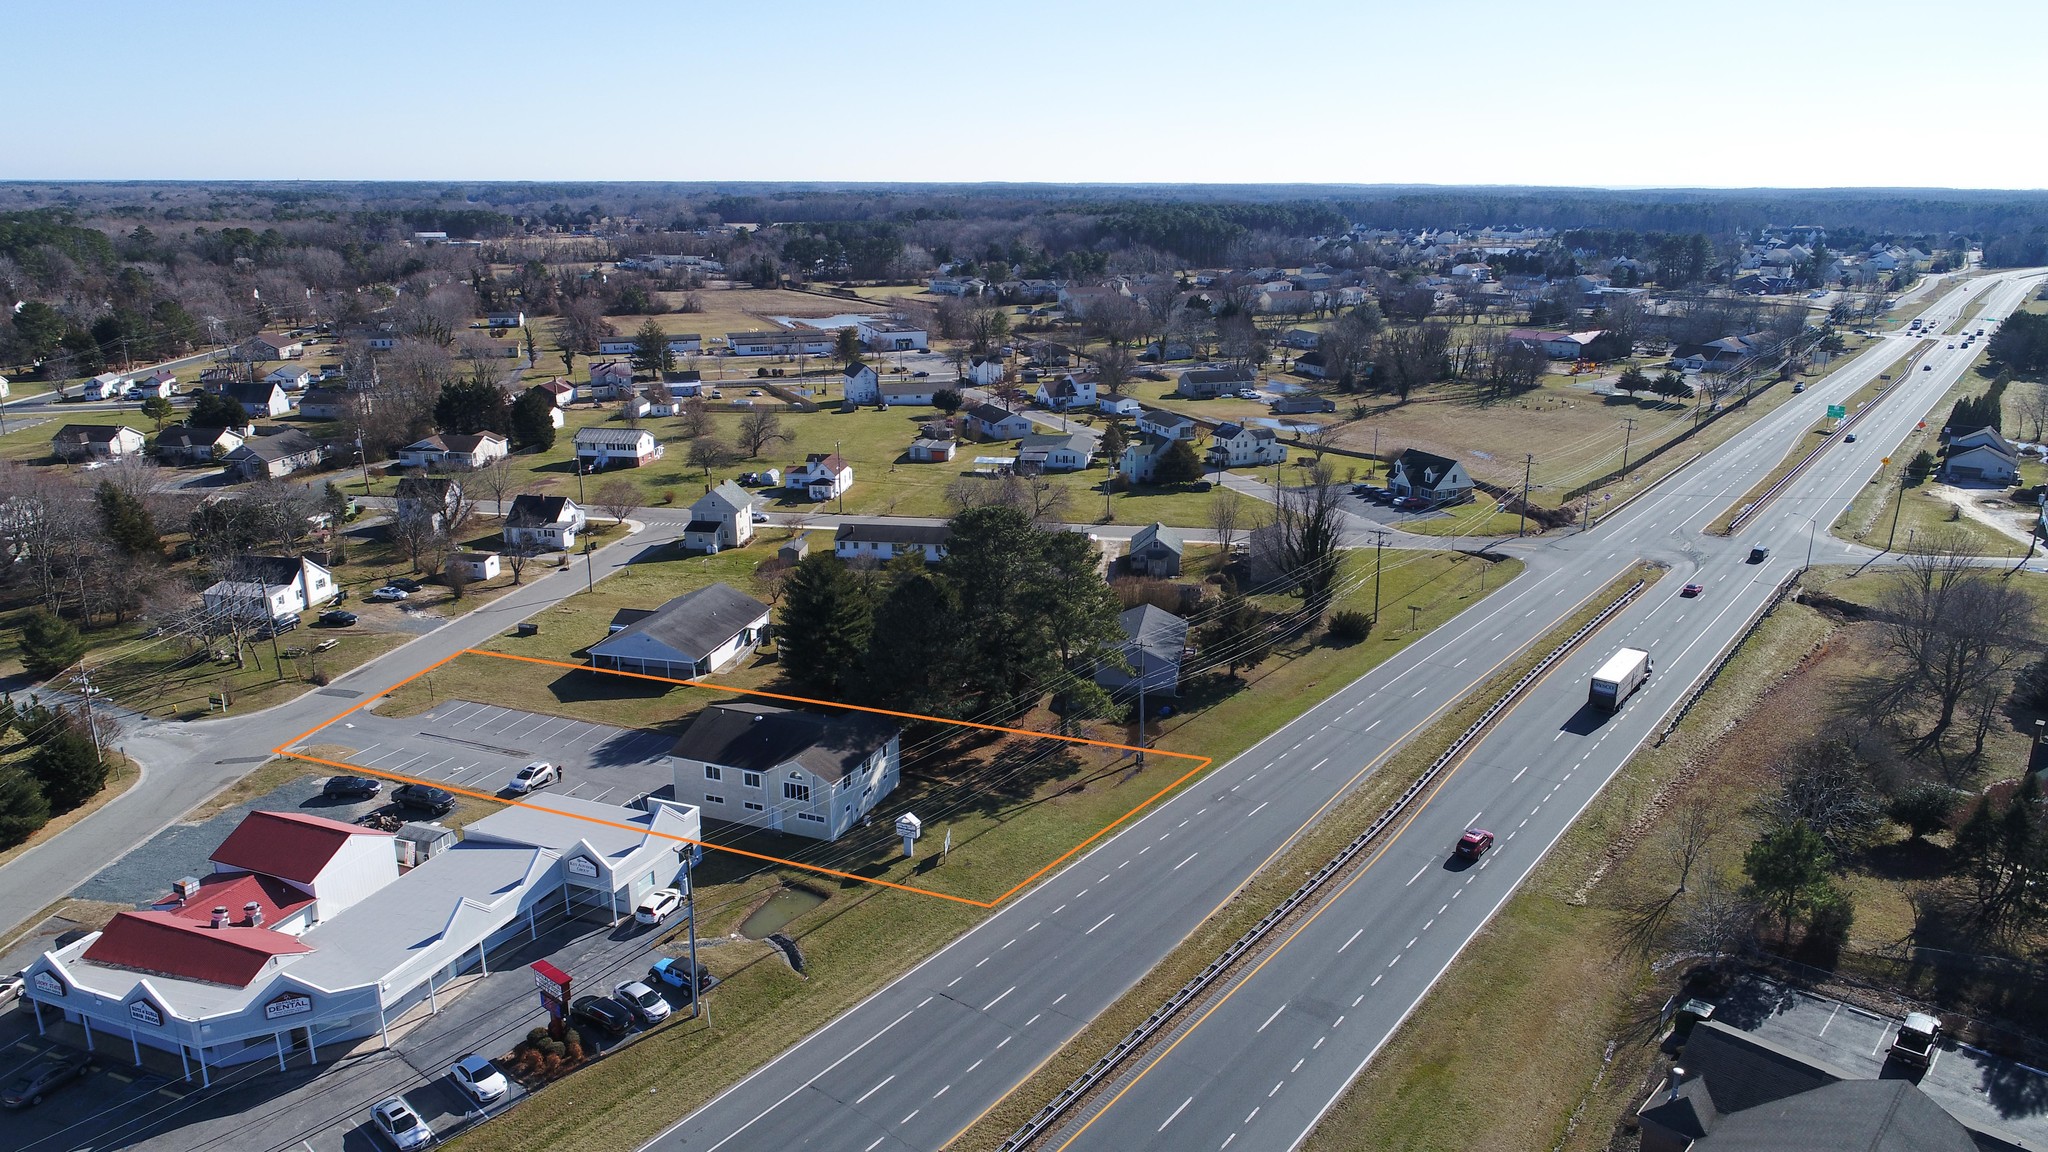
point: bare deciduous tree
(693, 419)
(1308, 523)
(495, 480)
(616, 497)
(709, 452)
(758, 429)
(1224, 510)
(1954, 628)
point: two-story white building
(1242, 445)
(719, 519)
(821, 476)
(1067, 392)
(266, 588)
(787, 771)
(890, 334)
(600, 448)
(543, 523)
(1166, 425)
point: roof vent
(254, 912)
(1677, 1077)
(220, 916)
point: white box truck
(1623, 673)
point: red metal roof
(234, 890)
(286, 844)
(170, 945)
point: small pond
(781, 908)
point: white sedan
(479, 1077)
(389, 593)
(659, 905)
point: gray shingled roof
(759, 738)
(694, 624)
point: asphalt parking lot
(478, 747)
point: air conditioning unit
(186, 887)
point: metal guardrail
(1706, 680)
(1757, 505)
(1088, 1081)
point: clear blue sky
(1581, 92)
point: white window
(711, 772)
(791, 790)
(815, 819)
(753, 807)
(751, 779)
(711, 799)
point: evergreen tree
(1632, 380)
(466, 407)
(651, 352)
(1177, 465)
(69, 769)
(533, 424)
(126, 521)
(1788, 871)
(1114, 441)
(213, 410)
(826, 621)
(23, 807)
(1238, 633)
(49, 644)
(912, 660)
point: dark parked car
(603, 1013)
(352, 788)
(276, 627)
(44, 1077)
(337, 619)
(407, 583)
(438, 801)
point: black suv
(603, 1013)
(352, 788)
(434, 800)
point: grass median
(1274, 882)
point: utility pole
(1379, 541)
(835, 479)
(1141, 705)
(1528, 463)
(1628, 434)
(1896, 506)
(92, 720)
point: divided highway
(916, 1063)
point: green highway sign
(1836, 411)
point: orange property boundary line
(1200, 763)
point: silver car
(401, 1125)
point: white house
(1982, 455)
(889, 334)
(860, 384)
(906, 392)
(505, 320)
(273, 346)
(861, 540)
(782, 342)
(985, 371)
(1141, 458)
(609, 378)
(600, 448)
(821, 476)
(1156, 551)
(1209, 383)
(289, 377)
(1154, 642)
(276, 455)
(454, 452)
(543, 523)
(1239, 445)
(1437, 479)
(696, 634)
(184, 444)
(561, 393)
(1069, 391)
(103, 441)
(784, 770)
(1113, 404)
(1057, 451)
(265, 588)
(721, 518)
(617, 345)
(105, 386)
(261, 399)
(1166, 425)
(686, 344)
(435, 497)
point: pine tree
(1177, 465)
(69, 769)
(127, 522)
(533, 424)
(651, 352)
(49, 644)
(912, 661)
(23, 808)
(826, 621)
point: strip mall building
(307, 934)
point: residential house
(273, 346)
(184, 444)
(559, 391)
(290, 377)
(610, 379)
(906, 392)
(1303, 338)
(719, 519)
(599, 448)
(1141, 458)
(162, 382)
(276, 455)
(1056, 451)
(543, 523)
(266, 588)
(821, 476)
(1079, 302)
(1116, 404)
(1155, 551)
(787, 771)
(1209, 383)
(1069, 391)
(1289, 302)
(1556, 345)
(933, 449)
(1425, 476)
(891, 334)
(696, 634)
(783, 342)
(859, 384)
(1167, 425)
(505, 320)
(436, 498)
(686, 344)
(1242, 445)
(617, 346)
(862, 540)
(1302, 403)
(1983, 456)
(995, 422)
(105, 386)
(95, 441)
(454, 452)
(985, 371)
(644, 401)
(334, 404)
(261, 399)
(1047, 354)
(1154, 640)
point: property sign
(143, 1012)
(289, 1004)
(45, 982)
(581, 866)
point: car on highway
(647, 1006)
(1759, 553)
(395, 1120)
(351, 787)
(479, 1077)
(390, 592)
(538, 774)
(659, 905)
(1692, 590)
(1927, 367)
(43, 1077)
(920, 374)
(602, 1013)
(1849, 439)
(438, 801)
(1951, 346)
(1473, 844)
(336, 618)
(755, 392)
(674, 972)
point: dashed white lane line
(1276, 1090)
(1371, 726)
(1005, 1040)
(1254, 1112)
(1255, 811)
(1226, 1142)
(1176, 1112)
(875, 1145)
(973, 1066)
(1034, 926)
(1297, 1066)
(955, 980)
(1318, 1044)
(1411, 943)
(1191, 856)
(1056, 1000)
(877, 1088)
(942, 1091)
(1273, 1017)
(1060, 909)
(1518, 775)
(1394, 961)
(1375, 983)
(1425, 926)
(980, 962)
(1320, 763)
(1034, 1019)
(909, 1118)
(1417, 876)
(1348, 943)
(1013, 940)
(1100, 923)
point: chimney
(254, 912)
(1677, 1078)
(220, 916)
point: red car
(1692, 590)
(1474, 843)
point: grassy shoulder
(864, 935)
(1340, 822)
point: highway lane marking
(1013, 940)
(1320, 1039)
(1475, 818)
(1375, 983)
(1320, 763)
(973, 1066)
(1426, 925)
(1183, 823)
(942, 1091)
(1297, 1066)
(1255, 811)
(1496, 636)
(1270, 1019)
(1394, 961)
(909, 1118)
(1357, 1000)
(1005, 1040)
(1420, 691)
(1060, 909)
(1559, 736)
(1371, 726)
(1056, 1000)
(877, 1088)
(1176, 1113)
(1100, 923)
(1165, 835)
(1522, 769)
(1417, 876)
(1141, 852)
(875, 1145)
(1226, 1142)
(1411, 943)
(980, 962)
(1461, 663)
(955, 980)
(1348, 943)
(1248, 1119)
(1191, 856)
(923, 1002)
(1034, 1019)
(1444, 909)
(1277, 1087)
(1339, 1023)
(1034, 926)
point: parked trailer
(1617, 679)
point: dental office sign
(290, 1004)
